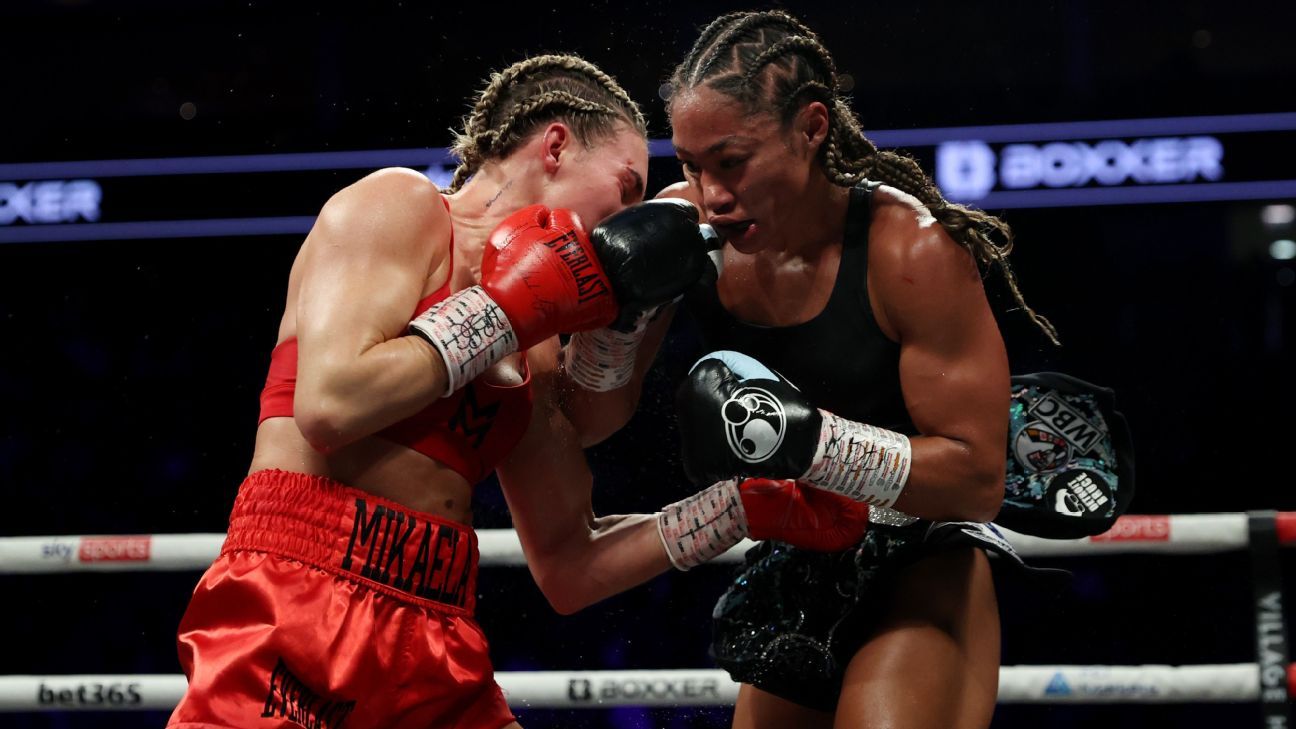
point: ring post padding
(1270, 627)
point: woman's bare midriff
(378, 466)
(371, 464)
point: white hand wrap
(859, 461)
(703, 526)
(604, 359)
(470, 331)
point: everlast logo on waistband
(589, 282)
(439, 568)
(295, 701)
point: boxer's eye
(691, 168)
(732, 163)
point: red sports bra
(470, 431)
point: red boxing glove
(540, 268)
(710, 522)
(540, 278)
(803, 516)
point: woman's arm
(576, 558)
(362, 271)
(597, 415)
(954, 374)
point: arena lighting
(1277, 215)
(1283, 250)
(1116, 162)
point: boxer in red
(418, 350)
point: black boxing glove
(652, 252)
(739, 418)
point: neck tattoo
(506, 186)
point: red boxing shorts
(330, 607)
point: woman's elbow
(561, 593)
(322, 422)
(989, 501)
(566, 606)
(987, 492)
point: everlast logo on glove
(590, 282)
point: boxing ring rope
(1226, 683)
(1270, 680)
(1173, 534)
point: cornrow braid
(704, 40)
(725, 40)
(536, 91)
(522, 114)
(808, 47)
(770, 61)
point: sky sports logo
(971, 170)
(114, 549)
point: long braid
(534, 91)
(771, 61)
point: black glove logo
(754, 423)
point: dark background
(129, 370)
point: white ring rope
(1176, 534)
(1146, 684)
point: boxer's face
(745, 167)
(603, 178)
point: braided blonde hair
(536, 91)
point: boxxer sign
(969, 170)
(996, 167)
(650, 690)
(49, 201)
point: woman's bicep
(953, 365)
(364, 266)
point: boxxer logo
(754, 423)
(579, 689)
(651, 690)
(972, 169)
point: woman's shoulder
(904, 234)
(397, 203)
(399, 191)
